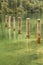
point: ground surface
(21, 51)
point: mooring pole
(19, 27)
(6, 26)
(9, 27)
(14, 28)
(38, 31)
(27, 31)
(39, 39)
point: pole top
(28, 18)
(6, 16)
(13, 17)
(38, 20)
(10, 16)
(19, 17)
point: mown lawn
(15, 51)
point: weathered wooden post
(19, 26)
(9, 27)
(6, 26)
(39, 39)
(14, 28)
(6, 21)
(38, 31)
(27, 31)
(28, 27)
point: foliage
(21, 7)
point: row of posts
(8, 27)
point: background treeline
(21, 7)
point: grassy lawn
(14, 51)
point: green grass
(15, 52)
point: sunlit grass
(14, 51)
